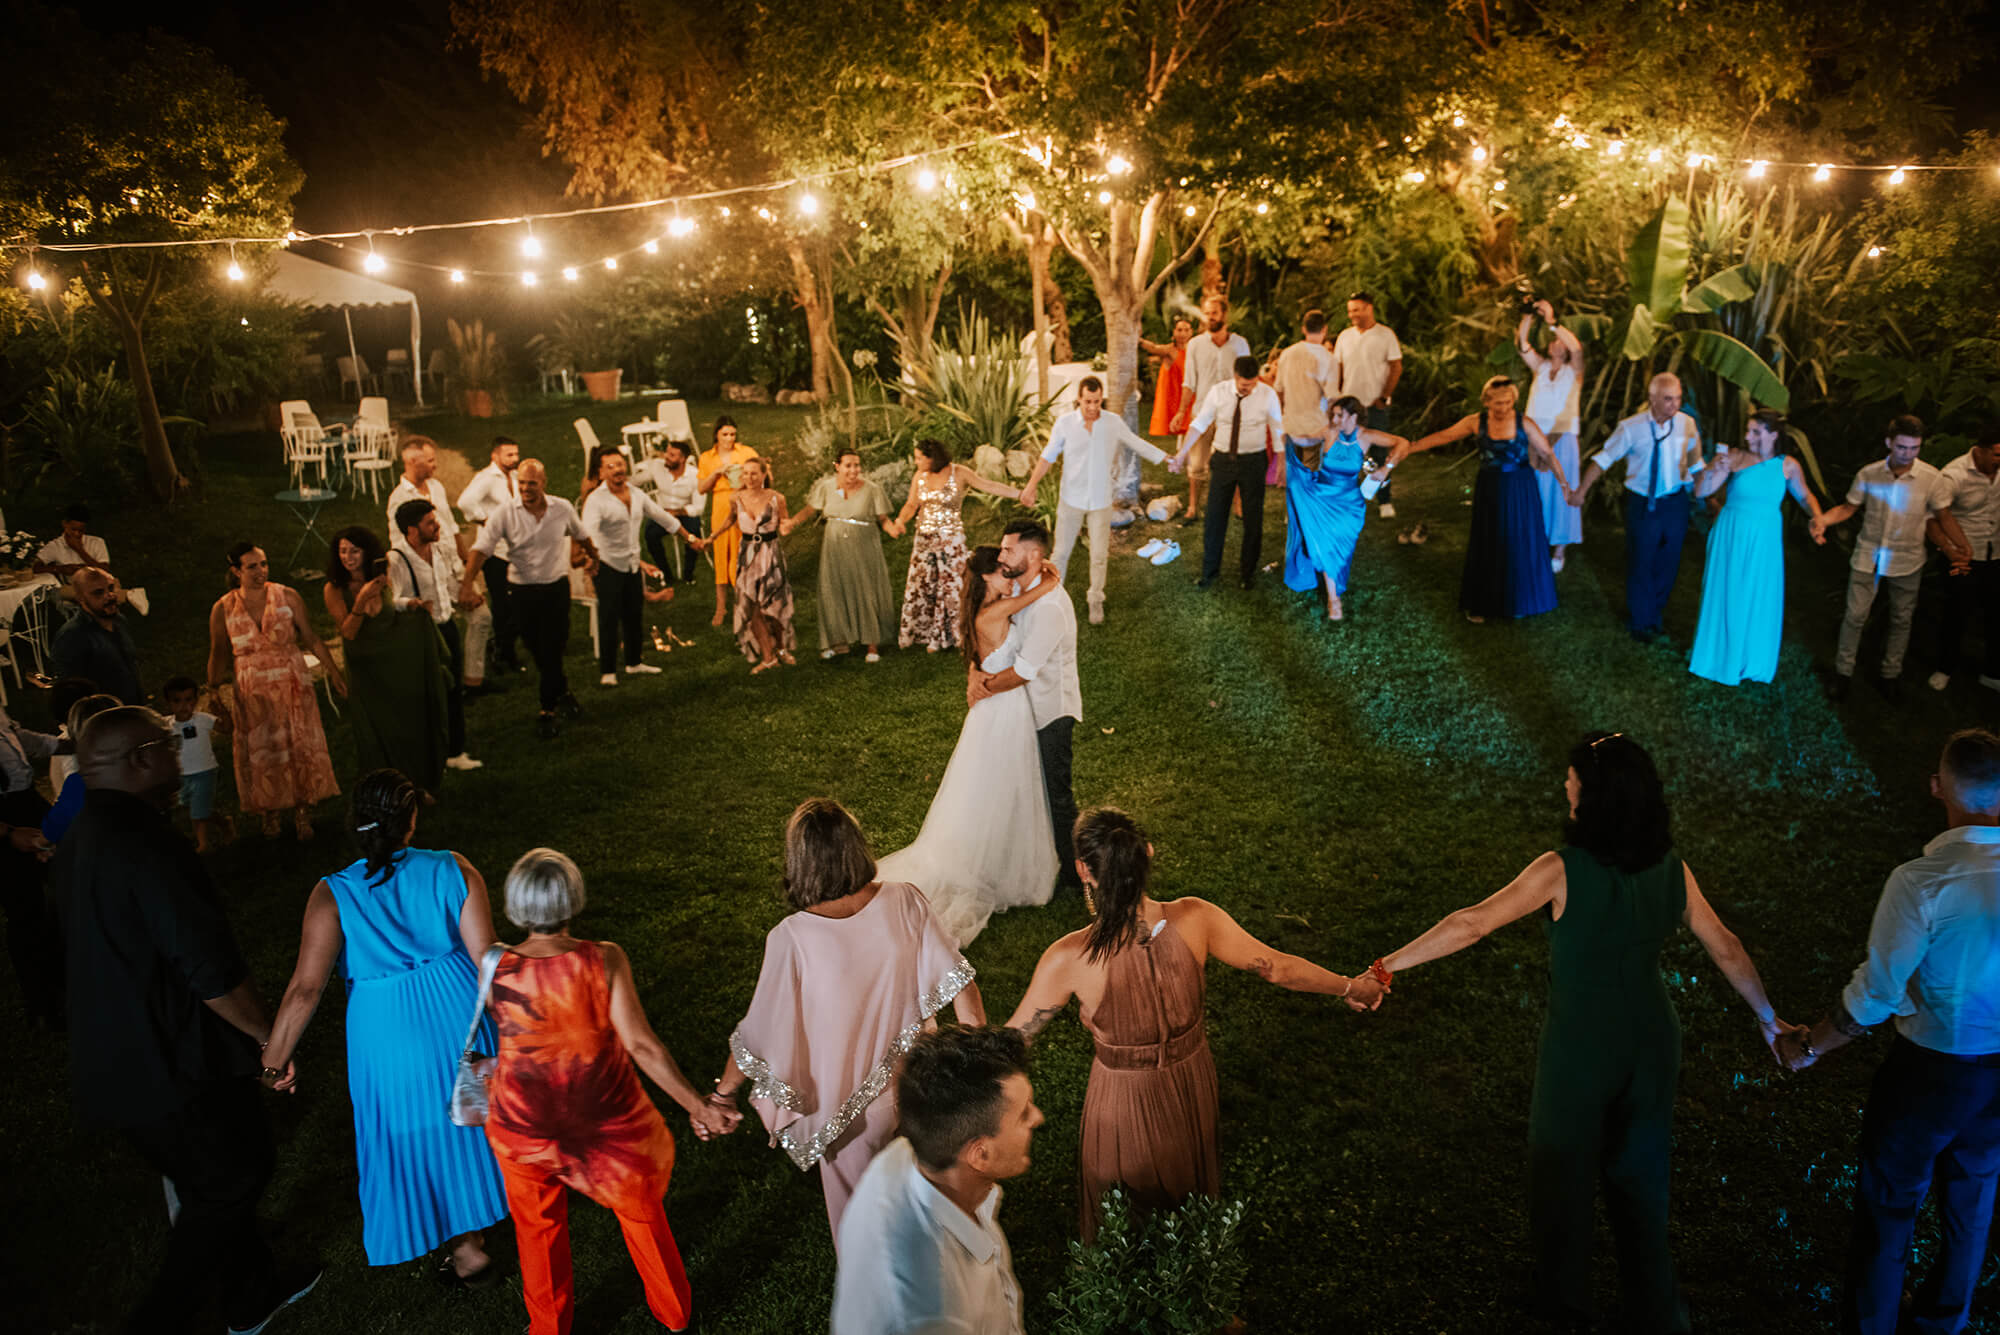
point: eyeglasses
(1609, 736)
(172, 741)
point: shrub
(1175, 1271)
(80, 430)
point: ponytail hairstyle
(983, 562)
(237, 552)
(385, 804)
(1116, 850)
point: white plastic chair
(354, 371)
(305, 442)
(398, 368)
(370, 448)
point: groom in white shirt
(1046, 666)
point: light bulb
(1104, 196)
(1758, 168)
(569, 274)
(1263, 208)
(1897, 177)
(1118, 165)
(651, 247)
(458, 275)
(235, 272)
(36, 282)
(808, 204)
(531, 246)
(1414, 177)
(1580, 141)
(374, 263)
(1479, 153)
(530, 278)
(725, 213)
(1655, 156)
(763, 213)
(927, 180)
(1822, 172)
(1693, 161)
(1189, 210)
(683, 226)
(1874, 252)
(1458, 121)
(1026, 200)
(611, 261)
(1499, 186)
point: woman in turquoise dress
(1743, 585)
(1324, 506)
(1507, 570)
(407, 927)
(1603, 1103)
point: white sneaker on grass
(641, 670)
(463, 761)
(1939, 680)
(1150, 548)
(1387, 510)
(608, 679)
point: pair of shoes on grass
(1159, 551)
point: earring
(1089, 900)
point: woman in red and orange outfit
(565, 1109)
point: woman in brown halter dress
(1149, 1116)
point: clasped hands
(716, 1115)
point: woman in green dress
(1611, 1042)
(396, 672)
(856, 604)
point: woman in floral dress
(755, 516)
(937, 556)
(255, 630)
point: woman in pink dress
(256, 629)
(848, 982)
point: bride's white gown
(986, 845)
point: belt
(1988, 1060)
(758, 537)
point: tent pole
(417, 349)
(347, 314)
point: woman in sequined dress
(937, 556)
(848, 982)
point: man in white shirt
(421, 580)
(1209, 361)
(613, 515)
(1086, 439)
(1969, 534)
(75, 549)
(1661, 448)
(420, 483)
(1307, 382)
(538, 530)
(675, 482)
(1367, 363)
(1244, 412)
(921, 1250)
(1045, 667)
(1895, 497)
(491, 488)
(1932, 1123)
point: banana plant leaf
(1642, 333)
(1733, 284)
(1736, 362)
(1658, 263)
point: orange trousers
(540, 1207)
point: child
(198, 764)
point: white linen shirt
(491, 487)
(1975, 502)
(1047, 658)
(1934, 947)
(1259, 409)
(1361, 361)
(539, 548)
(1086, 452)
(1893, 511)
(414, 579)
(677, 495)
(615, 528)
(913, 1263)
(1204, 366)
(1659, 460)
(406, 490)
(57, 552)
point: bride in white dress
(986, 845)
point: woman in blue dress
(1743, 585)
(1324, 505)
(407, 927)
(1507, 554)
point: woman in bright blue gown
(1743, 584)
(1507, 553)
(407, 927)
(1324, 504)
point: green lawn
(1335, 787)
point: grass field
(1337, 788)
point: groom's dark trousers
(1053, 742)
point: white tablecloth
(13, 594)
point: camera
(1528, 302)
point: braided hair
(1120, 858)
(384, 807)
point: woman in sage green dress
(397, 678)
(1611, 1041)
(856, 604)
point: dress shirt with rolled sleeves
(1660, 459)
(538, 549)
(1205, 365)
(617, 529)
(913, 1263)
(20, 748)
(491, 488)
(1086, 451)
(1893, 513)
(1974, 499)
(677, 494)
(1259, 409)
(1046, 660)
(406, 490)
(1934, 948)
(414, 579)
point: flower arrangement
(18, 548)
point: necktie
(1236, 424)
(1659, 464)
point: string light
(458, 275)
(1499, 186)
(569, 274)
(1118, 165)
(235, 270)
(531, 245)
(651, 247)
(927, 180)
(1758, 168)
(1822, 172)
(36, 283)
(529, 278)
(1615, 147)
(1874, 252)
(1458, 121)
(809, 204)
(1414, 177)
(725, 213)
(1479, 152)
(611, 262)
(1896, 177)
(1026, 199)
(1188, 211)
(764, 213)
(1580, 141)
(1263, 208)
(1104, 196)
(1693, 161)
(683, 226)
(1655, 156)
(373, 263)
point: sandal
(785, 657)
(764, 666)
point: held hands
(1027, 497)
(715, 1116)
(28, 839)
(1788, 1044)
(976, 688)
(1817, 525)
(1365, 993)
(1179, 461)
(284, 1082)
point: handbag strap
(488, 964)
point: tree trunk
(1212, 282)
(1038, 278)
(161, 470)
(810, 290)
(1058, 318)
(1123, 310)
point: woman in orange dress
(720, 472)
(564, 1107)
(255, 631)
(1150, 1111)
(1173, 365)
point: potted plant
(595, 343)
(478, 368)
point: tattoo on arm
(1263, 968)
(1040, 1021)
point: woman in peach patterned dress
(281, 756)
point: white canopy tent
(317, 285)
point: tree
(160, 143)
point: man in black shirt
(165, 1025)
(95, 643)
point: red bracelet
(1380, 973)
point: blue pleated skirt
(423, 1179)
(1507, 553)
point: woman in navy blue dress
(1507, 554)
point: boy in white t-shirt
(199, 767)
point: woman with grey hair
(848, 983)
(564, 1107)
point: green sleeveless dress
(1604, 1091)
